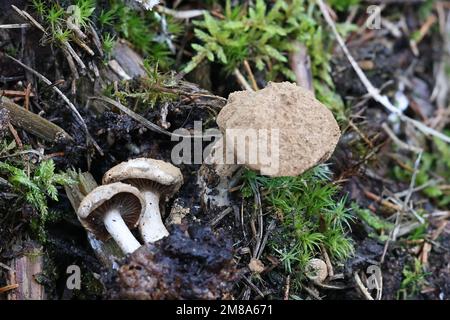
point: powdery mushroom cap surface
(165, 176)
(127, 199)
(307, 130)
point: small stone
(256, 266)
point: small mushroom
(155, 179)
(281, 130)
(316, 270)
(111, 211)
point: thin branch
(181, 14)
(14, 26)
(361, 287)
(242, 81)
(63, 96)
(146, 123)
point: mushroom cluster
(130, 197)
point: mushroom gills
(111, 211)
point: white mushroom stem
(151, 225)
(119, 231)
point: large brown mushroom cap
(308, 132)
(127, 199)
(165, 176)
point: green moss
(342, 5)
(145, 92)
(311, 213)
(54, 18)
(263, 35)
(143, 29)
(434, 171)
(34, 185)
(372, 220)
(413, 279)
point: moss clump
(34, 184)
(263, 35)
(311, 213)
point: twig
(27, 97)
(14, 26)
(327, 261)
(15, 135)
(398, 142)
(33, 123)
(360, 133)
(6, 267)
(181, 14)
(21, 153)
(9, 287)
(220, 216)
(427, 184)
(14, 93)
(252, 286)
(413, 179)
(66, 100)
(380, 200)
(288, 286)
(28, 17)
(422, 32)
(83, 45)
(250, 74)
(329, 286)
(361, 286)
(374, 92)
(117, 68)
(146, 123)
(74, 54)
(241, 79)
(269, 230)
(312, 293)
(259, 236)
(23, 278)
(427, 246)
(405, 206)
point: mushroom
(316, 270)
(155, 179)
(111, 211)
(281, 130)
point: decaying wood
(106, 252)
(33, 123)
(22, 276)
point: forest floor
(76, 101)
